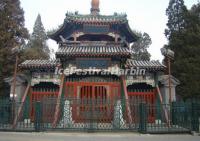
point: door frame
(113, 91)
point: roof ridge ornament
(95, 7)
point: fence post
(199, 124)
(174, 107)
(91, 117)
(143, 118)
(195, 120)
(5, 117)
(38, 117)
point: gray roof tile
(93, 50)
(150, 65)
(39, 64)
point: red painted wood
(92, 90)
(149, 98)
(128, 108)
(21, 106)
(141, 93)
(94, 83)
(44, 93)
(39, 96)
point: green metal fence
(91, 115)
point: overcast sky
(143, 15)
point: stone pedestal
(164, 88)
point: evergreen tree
(176, 15)
(185, 42)
(12, 34)
(38, 30)
(140, 47)
(37, 42)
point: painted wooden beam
(57, 109)
(21, 106)
(127, 100)
(163, 106)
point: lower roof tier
(40, 64)
(52, 64)
(149, 65)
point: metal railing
(100, 115)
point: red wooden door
(94, 106)
(48, 100)
(149, 98)
(94, 101)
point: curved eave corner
(55, 35)
(133, 36)
(127, 31)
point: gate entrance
(93, 104)
(95, 101)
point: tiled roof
(76, 22)
(48, 64)
(39, 64)
(116, 18)
(93, 50)
(150, 65)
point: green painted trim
(26, 107)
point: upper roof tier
(116, 23)
(94, 23)
(101, 19)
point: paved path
(7, 136)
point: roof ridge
(96, 18)
(76, 14)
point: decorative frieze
(140, 79)
(45, 77)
